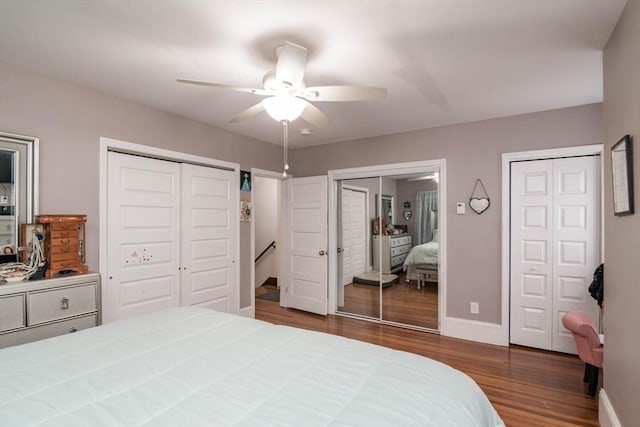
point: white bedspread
(194, 367)
(427, 253)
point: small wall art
(622, 170)
(479, 201)
(245, 180)
(245, 210)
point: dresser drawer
(58, 234)
(64, 249)
(397, 260)
(65, 241)
(12, 312)
(47, 331)
(400, 241)
(64, 256)
(68, 264)
(56, 304)
(64, 226)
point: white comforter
(427, 253)
(194, 367)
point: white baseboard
(473, 330)
(606, 414)
(248, 312)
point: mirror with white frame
(18, 187)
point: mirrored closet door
(388, 240)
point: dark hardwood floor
(401, 303)
(527, 387)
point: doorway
(266, 209)
(268, 241)
(402, 279)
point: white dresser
(33, 310)
(389, 252)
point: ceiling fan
(287, 96)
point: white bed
(423, 256)
(427, 253)
(196, 367)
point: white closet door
(576, 240)
(555, 247)
(209, 211)
(306, 282)
(143, 236)
(354, 226)
(531, 257)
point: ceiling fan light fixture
(284, 106)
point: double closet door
(172, 241)
(555, 247)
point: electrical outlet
(4, 199)
(474, 308)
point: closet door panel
(144, 235)
(576, 240)
(209, 212)
(531, 253)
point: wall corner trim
(606, 414)
(473, 330)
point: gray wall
(69, 120)
(621, 112)
(472, 150)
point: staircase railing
(272, 244)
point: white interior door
(143, 235)
(354, 232)
(208, 274)
(306, 282)
(576, 240)
(555, 247)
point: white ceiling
(443, 61)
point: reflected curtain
(426, 202)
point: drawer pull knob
(72, 330)
(65, 242)
(64, 303)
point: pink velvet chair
(590, 350)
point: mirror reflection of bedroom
(388, 249)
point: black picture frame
(622, 176)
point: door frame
(250, 311)
(109, 144)
(507, 158)
(424, 166)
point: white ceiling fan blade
(254, 110)
(292, 62)
(224, 86)
(314, 116)
(344, 93)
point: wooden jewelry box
(64, 244)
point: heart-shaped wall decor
(479, 205)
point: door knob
(321, 253)
(339, 250)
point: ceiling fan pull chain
(285, 126)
